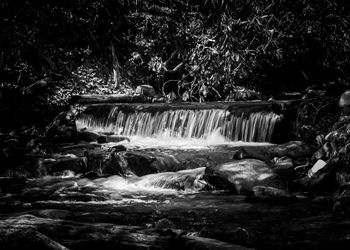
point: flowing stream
(170, 209)
(184, 124)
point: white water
(210, 126)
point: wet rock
(116, 138)
(293, 149)
(53, 213)
(102, 139)
(88, 136)
(342, 200)
(140, 163)
(90, 175)
(106, 163)
(342, 173)
(316, 167)
(270, 194)
(319, 154)
(159, 99)
(241, 176)
(57, 166)
(195, 242)
(63, 127)
(242, 236)
(20, 232)
(29, 239)
(300, 184)
(111, 138)
(323, 200)
(164, 223)
(146, 90)
(344, 102)
(118, 148)
(239, 154)
(323, 180)
(181, 180)
(284, 167)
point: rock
(102, 139)
(323, 200)
(59, 165)
(116, 138)
(342, 200)
(241, 176)
(283, 166)
(239, 154)
(241, 236)
(139, 163)
(316, 167)
(195, 242)
(159, 99)
(22, 232)
(324, 180)
(88, 136)
(270, 194)
(63, 127)
(344, 102)
(319, 154)
(344, 99)
(181, 180)
(164, 223)
(90, 175)
(293, 149)
(146, 90)
(108, 163)
(111, 138)
(117, 148)
(53, 213)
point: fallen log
(91, 99)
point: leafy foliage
(185, 47)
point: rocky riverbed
(75, 189)
(121, 194)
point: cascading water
(184, 124)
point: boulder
(241, 176)
(88, 136)
(105, 163)
(164, 223)
(146, 90)
(100, 138)
(144, 163)
(190, 179)
(63, 127)
(344, 102)
(195, 242)
(140, 163)
(58, 166)
(293, 149)
(324, 180)
(283, 166)
(270, 194)
(316, 167)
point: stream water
(167, 210)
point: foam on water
(212, 126)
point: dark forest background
(51, 50)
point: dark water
(88, 209)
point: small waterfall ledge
(234, 122)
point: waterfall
(183, 123)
